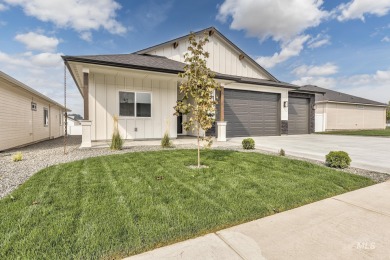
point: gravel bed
(41, 155)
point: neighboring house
(73, 126)
(26, 115)
(142, 89)
(339, 111)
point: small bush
(248, 143)
(282, 152)
(17, 157)
(116, 141)
(166, 141)
(338, 159)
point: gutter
(349, 103)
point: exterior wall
(223, 58)
(104, 104)
(351, 116)
(311, 110)
(19, 125)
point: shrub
(166, 141)
(248, 143)
(17, 157)
(338, 159)
(116, 141)
(282, 152)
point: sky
(341, 45)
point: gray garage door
(298, 116)
(250, 113)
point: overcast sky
(343, 45)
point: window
(135, 104)
(61, 118)
(33, 106)
(45, 117)
(126, 103)
(143, 105)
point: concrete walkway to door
(353, 225)
(370, 153)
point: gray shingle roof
(335, 96)
(162, 64)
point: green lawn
(383, 132)
(119, 205)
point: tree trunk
(198, 147)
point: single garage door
(298, 116)
(251, 113)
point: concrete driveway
(370, 153)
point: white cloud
(288, 49)
(39, 42)
(325, 82)
(357, 9)
(46, 59)
(86, 36)
(322, 70)
(3, 7)
(385, 39)
(80, 15)
(276, 19)
(372, 86)
(318, 41)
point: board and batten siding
(104, 104)
(223, 58)
(19, 125)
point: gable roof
(335, 96)
(29, 89)
(214, 30)
(162, 64)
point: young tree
(198, 89)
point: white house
(339, 111)
(142, 89)
(26, 115)
(73, 126)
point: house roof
(214, 30)
(29, 89)
(162, 64)
(335, 96)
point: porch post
(221, 123)
(86, 134)
(86, 93)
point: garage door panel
(298, 115)
(251, 113)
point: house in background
(26, 115)
(339, 111)
(73, 126)
(142, 89)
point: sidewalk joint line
(231, 247)
(372, 210)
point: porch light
(285, 104)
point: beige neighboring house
(27, 116)
(339, 111)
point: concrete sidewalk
(354, 225)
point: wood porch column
(86, 93)
(222, 105)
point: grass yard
(383, 132)
(116, 206)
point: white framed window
(45, 117)
(135, 104)
(61, 119)
(33, 106)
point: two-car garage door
(251, 113)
